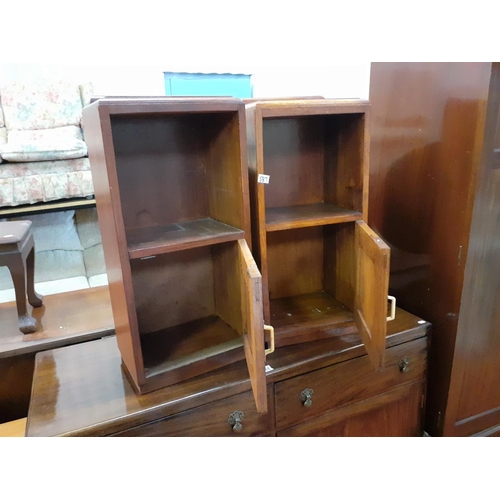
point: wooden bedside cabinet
(171, 184)
(322, 266)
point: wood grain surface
(427, 151)
(82, 390)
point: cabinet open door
(253, 324)
(370, 309)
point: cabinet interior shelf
(313, 214)
(308, 311)
(150, 241)
(190, 346)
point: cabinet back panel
(174, 288)
(174, 157)
(294, 158)
(340, 263)
(295, 261)
(315, 159)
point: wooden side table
(17, 252)
(64, 319)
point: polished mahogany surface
(63, 319)
(427, 134)
(475, 388)
(82, 390)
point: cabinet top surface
(299, 107)
(141, 105)
(82, 389)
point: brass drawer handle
(306, 397)
(235, 419)
(404, 364)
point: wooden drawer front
(209, 420)
(346, 383)
(396, 413)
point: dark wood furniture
(17, 253)
(63, 319)
(171, 185)
(322, 388)
(435, 199)
(323, 269)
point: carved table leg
(17, 268)
(33, 298)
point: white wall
(292, 48)
(336, 80)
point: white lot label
(263, 179)
(269, 368)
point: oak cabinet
(322, 266)
(171, 189)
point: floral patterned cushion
(41, 104)
(24, 183)
(60, 143)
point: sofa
(43, 158)
(43, 153)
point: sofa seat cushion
(41, 104)
(26, 183)
(62, 143)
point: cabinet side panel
(257, 198)
(227, 172)
(426, 125)
(475, 384)
(347, 161)
(100, 146)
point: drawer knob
(235, 419)
(306, 397)
(404, 364)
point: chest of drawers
(322, 388)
